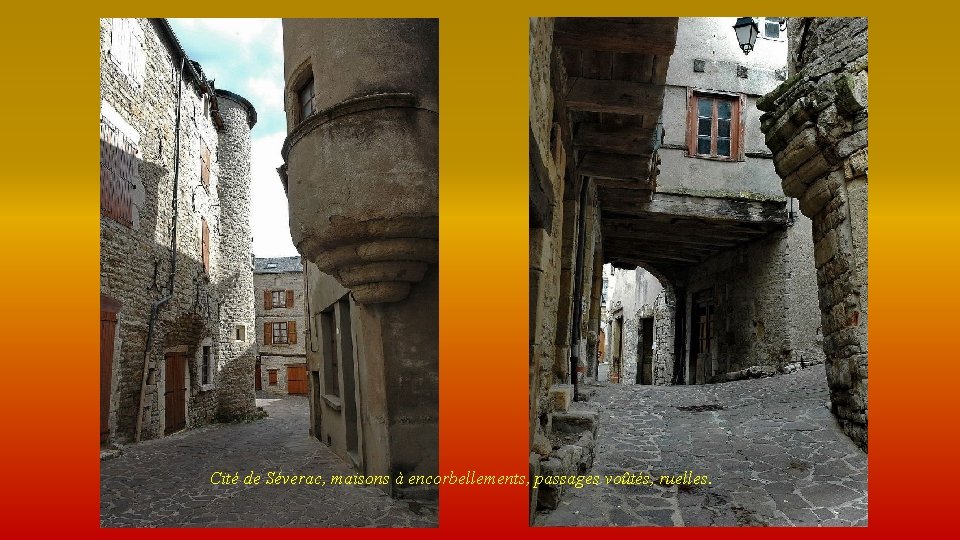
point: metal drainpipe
(578, 290)
(155, 308)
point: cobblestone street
(773, 453)
(166, 482)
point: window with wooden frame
(714, 126)
(204, 165)
(278, 299)
(272, 377)
(205, 245)
(280, 333)
(305, 99)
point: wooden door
(297, 380)
(258, 378)
(108, 327)
(175, 395)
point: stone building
(278, 285)
(361, 175)
(176, 281)
(816, 125)
(647, 153)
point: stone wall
(816, 126)
(763, 304)
(139, 83)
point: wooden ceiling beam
(644, 35)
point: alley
(772, 450)
(166, 482)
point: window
(331, 366)
(280, 333)
(305, 97)
(272, 377)
(126, 49)
(278, 299)
(205, 245)
(206, 365)
(714, 126)
(771, 27)
(118, 172)
(204, 165)
(241, 332)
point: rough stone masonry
(816, 125)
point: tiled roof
(277, 265)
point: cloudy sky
(246, 56)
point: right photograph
(698, 271)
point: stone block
(825, 248)
(561, 396)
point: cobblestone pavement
(772, 450)
(166, 482)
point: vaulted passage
(678, 237)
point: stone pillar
(816, 125)
(237, 359)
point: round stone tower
(238, 345)
(362, 150)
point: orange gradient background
(50, 234)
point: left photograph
(269, 272)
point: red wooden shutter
(289, 298)
(267, 300)
(267, 333)
(205, 245)
(292, 331)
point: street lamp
(747, 30)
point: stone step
(581, 417)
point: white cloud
(266, 92)
(244, 31)
(269, 215)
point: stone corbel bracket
(817, 131)
(369, 215)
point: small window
(205, 245)
(206, 365)
(714, 129)
(241, 332)
(272, 377)
(277, 299)
(771, 27)
(204, 165)
(305, 96)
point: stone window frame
(240, 333)
(737, 128)
(278, 298)
(301, 78)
